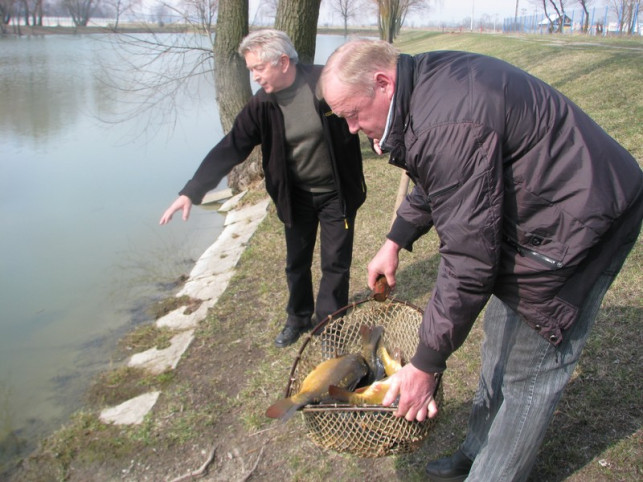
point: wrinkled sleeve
(413, 219)
(461, 172)
(232, 150)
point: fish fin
(371, 334)
(338, 393)
(365, 332)
(283, 409)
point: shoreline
(206, 282)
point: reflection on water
(81, 251)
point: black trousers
(310, 211)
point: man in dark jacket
(313, 172)
(536, 208)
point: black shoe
(289, 335)
(449, 469)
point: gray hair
(355, 62)
(269, 45)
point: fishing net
(365, 430)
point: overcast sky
(441, 11)
(459, 9)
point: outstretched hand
(415, 391)
(183, 204)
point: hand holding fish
(385, 263)
(415, 389)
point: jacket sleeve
(413, 219)
(232, 150)
(460, 170)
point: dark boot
(291, 333)
(450, 469)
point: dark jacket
(530, 198)
(261, 122)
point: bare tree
(346, 9)
(158, 68)
(7, 8)
(267, 9)
(120, 7)
(298, 18)
(80, 11)
(164, 65)
(585, 4)
(392, 14)
(626, 11)
(233, 82)
(556, 22)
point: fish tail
(371, 334)
(365, 332)
(283, 409)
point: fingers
(166, 218)
(392, 393)
(418, 412)
(372, 278)
(390, 279)
(376, 146)
(183, 204)
(186, 211)
(433, 408)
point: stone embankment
(207, 281)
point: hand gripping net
(368, 430)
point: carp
(343, 371)
(370, 395)
(392, 363)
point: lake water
(81, 253)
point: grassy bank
(216, 398)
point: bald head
(355, 63)
(358, 83)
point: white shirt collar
(389, 119)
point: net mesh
(369, 430)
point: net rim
(333, 316)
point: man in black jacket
(313, 172)
(536, 208)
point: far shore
(129, 28)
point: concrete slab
(157, 361)
(232, 202)
(131, 412)
(178, 320)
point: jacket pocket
(443, 191)
(544, 251)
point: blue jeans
(521, 381)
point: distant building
(552, 23)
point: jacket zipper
(444, 190)
(541, 258)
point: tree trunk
(298, 18)
(232, 82)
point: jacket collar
(398, 114)
(310, 74)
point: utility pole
(516, 14)
(472, 11)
